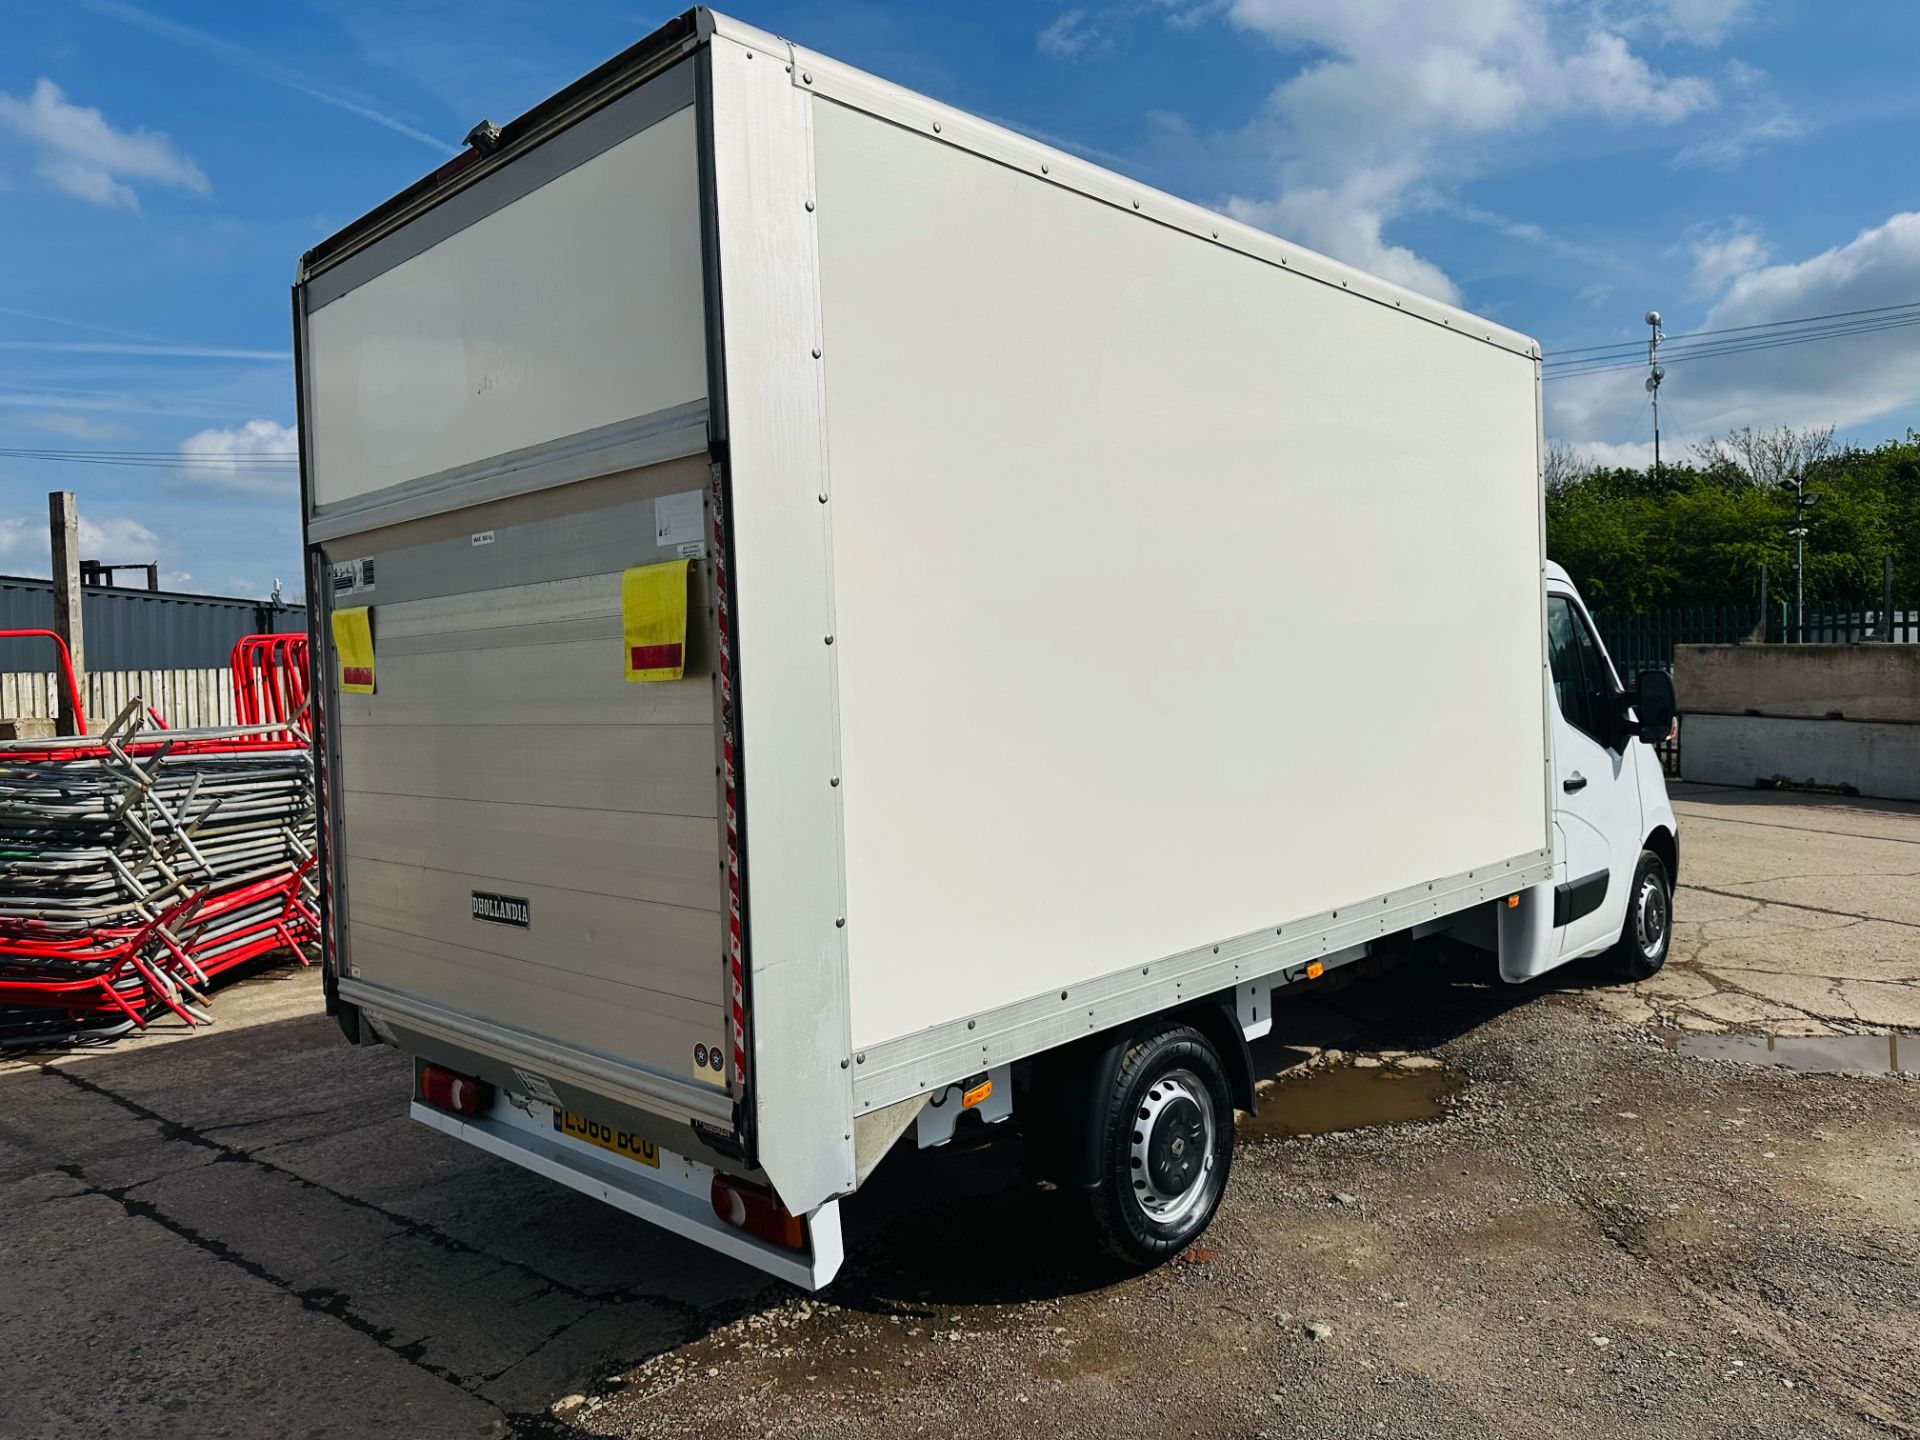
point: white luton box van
(834, 617)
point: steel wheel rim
(1171, 1152)
(1650, 916)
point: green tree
(1699, 533)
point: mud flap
(1528, 942)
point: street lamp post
(1655, 374)
(1802, 502)
(1799, 581)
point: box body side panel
(1177, 594)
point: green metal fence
(1842, 624)
(1645, 639)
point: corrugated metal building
(139, 629)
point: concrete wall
(1833, 715)
(1815, 682)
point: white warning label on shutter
(353, 577)
(680, 523)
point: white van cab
(1615, 840)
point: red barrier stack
(138, 865)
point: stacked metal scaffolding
(138, 865)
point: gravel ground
(1599, 1236)
(241, 1235)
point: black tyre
(1648, 932)
(1166, 1147)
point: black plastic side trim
(1062, 1142)
(1581, 897)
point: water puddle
(1825, 1054)
(1320, 1102)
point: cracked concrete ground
(1797, 915)
(238, 1232)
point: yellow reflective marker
(653, 620)
(353, 642)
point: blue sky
(1559, 165)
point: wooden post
(63, 524)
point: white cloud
(1345, 221)
(252, 456)
(17, 541)
(1700, 22)
(76, 427)
(1754, 118)
(60, 397)
(76, 150)
(118, 539)
(155, 352)
(1631, 455)
(1845, 382)
(242, 58)
(1722, 255)
(68, 323)
(1402, 94)
(24, 544)
(1727, 147)
(1073, 36)
(1593, 256)
(1187, 14)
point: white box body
(1124, 603)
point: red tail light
(758, 1212)
(446, 1090)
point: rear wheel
(1648, 932)
(1167, 1144)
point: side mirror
(1654, 705)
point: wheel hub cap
(1650, 917)
(1172, 1147)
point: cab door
(1596, 793)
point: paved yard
(237, 1233)
(1800, 916)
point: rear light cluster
(758, 1212)
(449, 1090)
